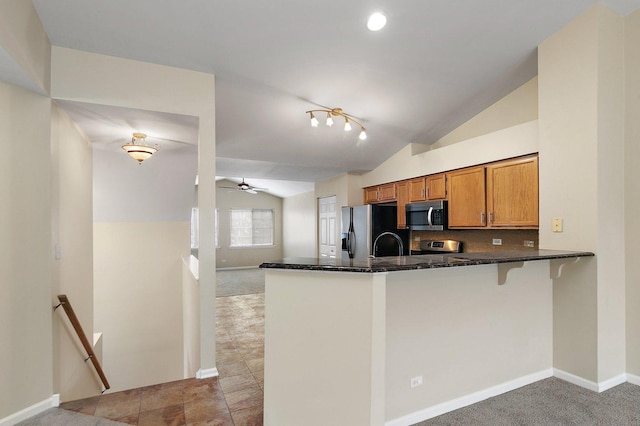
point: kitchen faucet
(394, 235)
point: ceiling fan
(244, 187)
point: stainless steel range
(438, 247)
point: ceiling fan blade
(250, 191)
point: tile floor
(234, 398)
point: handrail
(66, 305)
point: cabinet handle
(422, 193)
(490, 217)
(482, 218)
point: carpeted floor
(60, 417)
(237, 282)
(550, 402)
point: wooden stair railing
(66, 305)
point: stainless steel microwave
(430, 216)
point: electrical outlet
(417, 238)
(497, 241)
(556, 224)
(529, 243)
(416, 381)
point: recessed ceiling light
(376, 21)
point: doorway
(327, 226)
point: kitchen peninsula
(396, 340)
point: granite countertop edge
(405, 263)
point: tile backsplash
(480, 240)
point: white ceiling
(435, 65)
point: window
(251, 227)
(195, 223)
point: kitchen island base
(341, 348)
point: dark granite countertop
(427, 261)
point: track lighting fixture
(337, 112)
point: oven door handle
(429, 216)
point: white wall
(581, 102)
(299, 231)
(632, 189)
(228, 257)
(26, 254)
(94, 78)
(73, 272)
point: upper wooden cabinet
(428, 188)
(467, 208)
(436, 186)
(380, 193)
(512, 193)
(417, 191)
(402, 197)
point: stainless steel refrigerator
(362, 226)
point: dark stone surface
(403, 263)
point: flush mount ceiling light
(376, 21)
(337, 112)
(138, 149)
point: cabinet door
(467, 206)
(417, 190)
(371, 195)
(387, 192)
(512, 193)
(402, 195)
(436, 187)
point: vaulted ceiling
(435, 65)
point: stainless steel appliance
(362, 226)
(430, 216)
(438, 247)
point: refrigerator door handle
(351, 236)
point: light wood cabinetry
(436, 186)
(380, 193)
(417, 190)
(402, 197)
(467, 201)
(503, 194)
(428, 188)
(512, 193)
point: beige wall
(518, 107)
(506, 143)
(24, 39)
(581, 146)
(464, 333)
(101, 79)
(138, 300)
(632, 189)
(72, 221)
(299, 231)
(26, 254)
(228, 257)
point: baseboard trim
(31, 411)
(466, 400)
(633, 379)
(588, 384)
(231, 268)
(206, 373)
